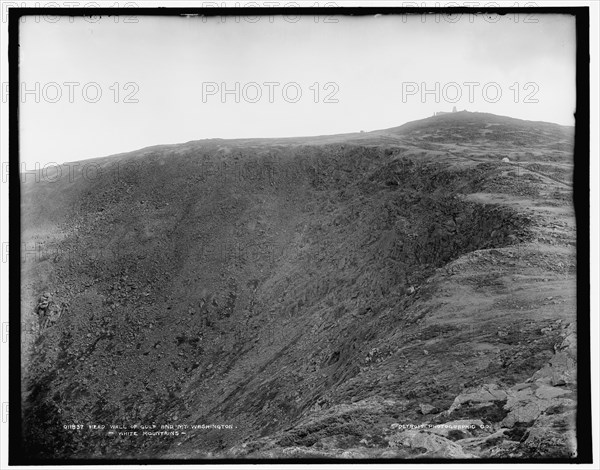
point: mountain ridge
(328, 137)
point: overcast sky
(161, 79)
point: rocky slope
(402, 293)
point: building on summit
(454, 110)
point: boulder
(524, 412)
(548, 392)
(485, 394)
(561, 370)
(427, 409)
(482, 445)
(527, 405)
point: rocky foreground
(531, 419)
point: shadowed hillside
(319, 296)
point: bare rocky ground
(395, 294)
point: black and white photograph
(306, 233)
